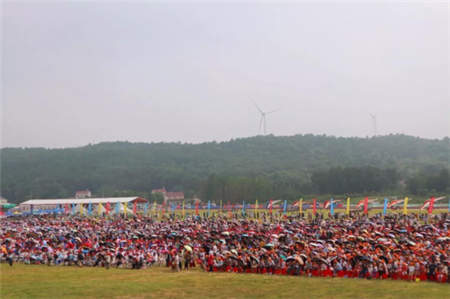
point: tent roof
(61, 201)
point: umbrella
(290, 258)
(188, 248)
(268, 245)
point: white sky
(78, 73)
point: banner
(314, 206)
(209, 207)
(366, 205)
(331, 206)
(405, 206)
(348, 206)
(385, 206)
(300, 206)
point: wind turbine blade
(257, 107)
(272, 111)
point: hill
(257, 167)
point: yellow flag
(405, 206)
(81, 209)
(348, 206)
(300, 206)
(99, 208)
(183, 209)
(125, 208)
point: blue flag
(331, 206)
(385, 206)
(146, 208)
(243, 208)
(285, 206)
(117, 208)
(90, 209)
(209, 207)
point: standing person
(187, 259)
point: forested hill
(256, 167)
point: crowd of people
(379, 247)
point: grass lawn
(30, 281)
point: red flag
(430, 207)
(366, 205)
(108, 208)
(134, 207)
(360, 203)
(66, 208)
(270, 206)
(326, 204)
(314, 206)
(430, 204)
(196, 208)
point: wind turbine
(374, 122)
(262, 122)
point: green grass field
(32, 281)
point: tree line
(261, 167)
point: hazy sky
(78, 73)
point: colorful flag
(146, 208)
(366, 205)
(331, 207)
(360, 203)
(405, 206)
(300, 206)
(348, 206)
(314, 206)
(196, 207)
(385, 206)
